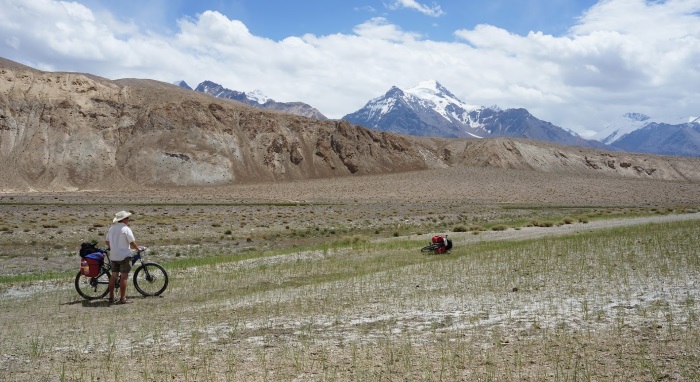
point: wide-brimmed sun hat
(121, 215)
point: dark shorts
(123, 266)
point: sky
(579, 64)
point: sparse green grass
(616, 304)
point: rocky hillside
(72, 131)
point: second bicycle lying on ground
(438, 245)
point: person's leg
(110, 288)
(122, 286)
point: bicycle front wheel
(429, 248)
(150, 279)
(92, 288)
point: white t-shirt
(119, 237)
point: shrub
(537, 223)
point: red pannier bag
(90, 265)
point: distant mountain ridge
(257, 99)
(637, 132)
(663, 139)
(72, 131)
(429, 109)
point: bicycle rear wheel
(92, 288)
(150, 279)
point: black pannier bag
(87, 248)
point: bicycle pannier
(90, 264)
(87, 248)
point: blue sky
(577, 64)
(280, 19)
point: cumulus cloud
(434, 11)
(621, 56)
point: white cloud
(366, 8)
(621, 56)
(380, 28)
(434, 11)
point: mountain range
(431, 110)
(640, 133)
(72, 131)
(257, 99)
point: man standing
(120, 239)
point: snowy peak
(637, 132)
(436, 97)
(434, 92)
(621, 126)
(394, 94)
(632, 122)
(257, 96)
(428, 97)
(428, 89)
(429, 109)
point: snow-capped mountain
(257, 99)
(430, 114)
(432, 95)
(625, 124)
(257, 96)
(429, 109)
(640, 133)
(663, 138)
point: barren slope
(71, 131)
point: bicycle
(431, 247)
(150, 279)
(438, 245)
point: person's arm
(130, 238)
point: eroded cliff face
(71, 131)
(540, 156)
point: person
(120, 239)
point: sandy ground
(482, 327)
(43, 230)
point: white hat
(121, 215)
